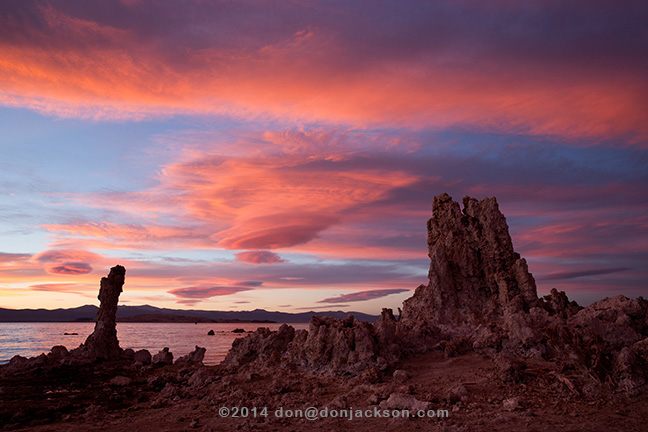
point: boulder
(164, 357)
(142, 356)
(195, 357)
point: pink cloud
(10, 258)
(362, 295)
(57, 287)
(57, 255)
(325, 71)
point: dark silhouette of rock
(210, 333)
(195, 357)
(557, 303)
(57, 353)
(238, 330)
(102, 344)
(164, 357)
(128, 354)
(142, 356)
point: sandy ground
(168, 399)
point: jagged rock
(262, 346)
(164, 357)
(194, 357)
(617, 320)
(102, 344)
(475, 275)
(330, 345)
(641, 349)
(339, 345)
(142, 356)
(557, 303)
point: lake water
(32, 339)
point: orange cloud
(313, 74)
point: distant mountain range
(148, 313)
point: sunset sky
(284, 155)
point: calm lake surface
(32, 339)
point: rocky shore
(476, 347)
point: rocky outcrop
(102, 344)
(330, 345)
(475, 275)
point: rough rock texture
(142, 356)
(164, 357)
(475, 275)
(102, 344)
(194, 357)
(330, 345)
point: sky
(235, 155)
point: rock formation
(480, 297)
(102, 344)
(195, 357)
(475, 275)
(330, 345)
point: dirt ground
(468, 388)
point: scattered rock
(128, 354)
(210, 333)
(238, 330)
(195, 357)
(456, 392)
(164, 357)
(142, 356)
(404, 401)
(400, 376)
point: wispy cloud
(362, 296)
(205, 292)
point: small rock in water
(210, 333)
